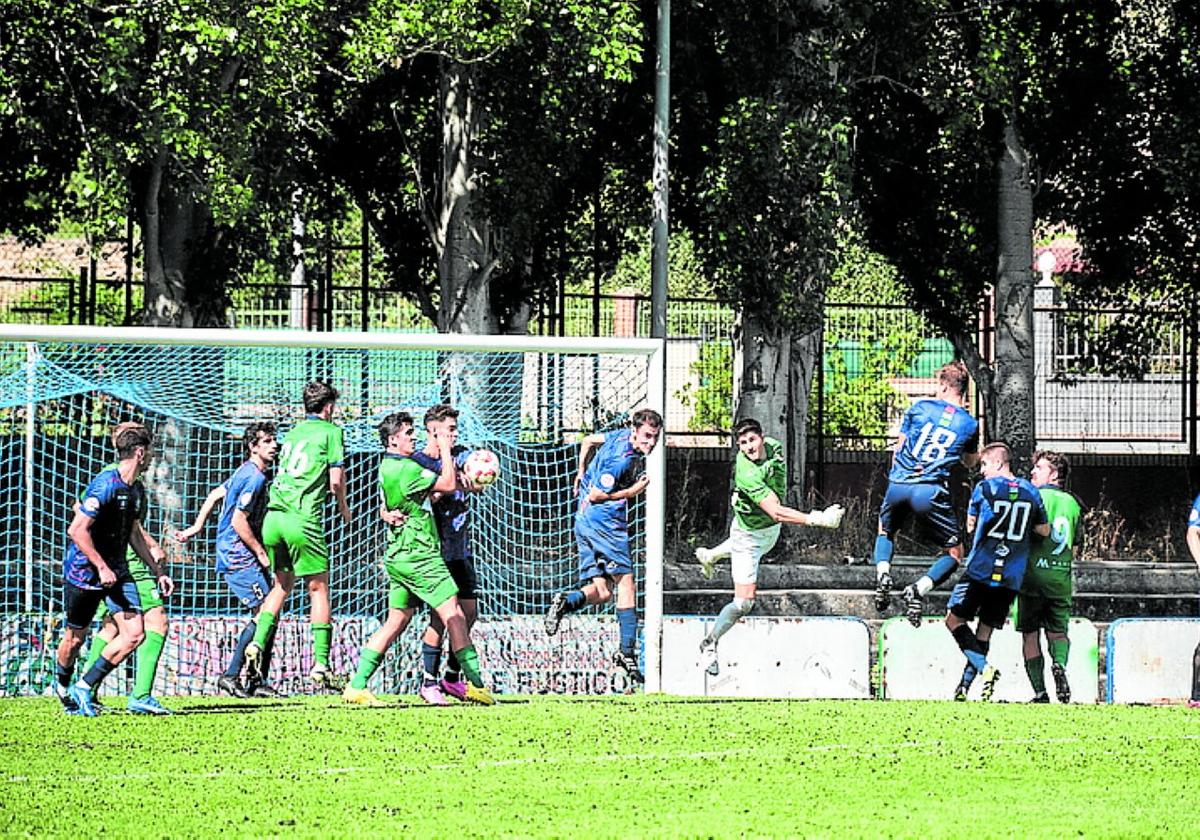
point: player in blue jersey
(604, 487)
(452, 513)
(1004, 514)
(1193, 544)
(935, 434)
(241, 557)
(106, 524)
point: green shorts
(422, 578)
(295, 544)
(1039, 612)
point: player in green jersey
(759, 482)
(1045, 599)
(153, 586)
(413, 557)
(309, 470)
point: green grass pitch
(601, 767)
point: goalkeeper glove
(831, 517)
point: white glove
(831, 517)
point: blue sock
(576, 600)
(96, 675)
(883, 549)
(431, 658)
(63, 674)
(627, 621)
(239, 653)
(941, 570)
(969, 674)
(976, 659)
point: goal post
(527, 397)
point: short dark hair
(393, 423)
(256, 429)
(1000, 447)
(439, 412)
(317, 395)
(954, 376)
(747, 424)
(646, 417)
(129, 436)
(1057, 460)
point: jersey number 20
(1012, 518)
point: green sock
(148, 654)
(468, 660)
(94, 650)
(1059, 648)
(368, 664)
(1036, 669)
(266, 620)
(322, 637)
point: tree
(948, 170)
(766, 116)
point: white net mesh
(529, 407)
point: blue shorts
(976, 597)
(250, 585)
(602, 552)
(928, 503)
(81, 604)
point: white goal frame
(652, 348)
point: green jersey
(753, 481)
(301, 483)
(1049, 570)
(404, 485)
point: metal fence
(876, 359)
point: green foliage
(686, 277)
(711, 402)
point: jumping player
(759, 482)
(934, 434)
(604, 487)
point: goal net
(529, 399)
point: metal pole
(657, 384)
(662, 111)
(365, 271)
(31, 354)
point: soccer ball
(482, 467)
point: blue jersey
(615, 466)
(1194, 516)
(245, 490)
(936, 435)
(1006, 511)
(114, 507)
(452, 511)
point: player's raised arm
(214, 498)
(447, 480)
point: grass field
(602, 767)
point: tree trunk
(466, 260)
(805, 357)
(185, 281)
(761, 372)
(1014, 392)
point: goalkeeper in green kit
(309, 470)
(1045, 599)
